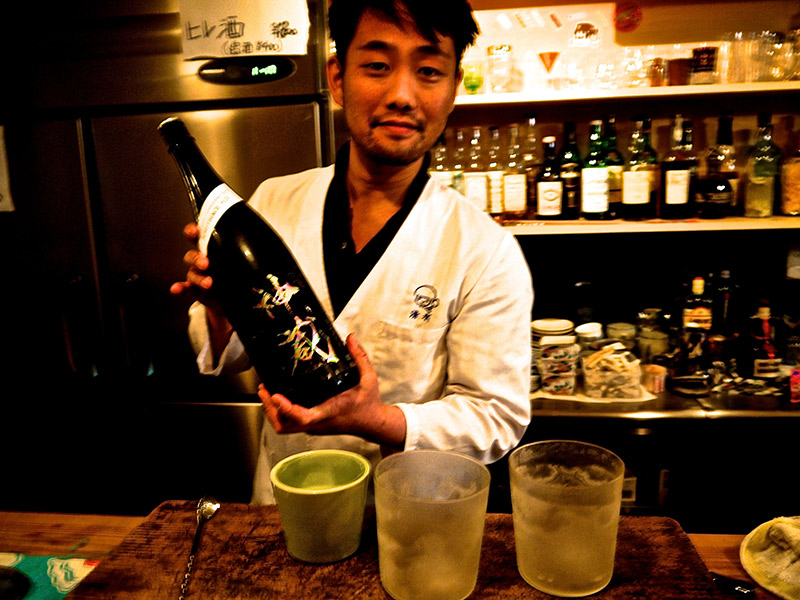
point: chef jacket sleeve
(485, 407)
(233, 359)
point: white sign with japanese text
(214, 29)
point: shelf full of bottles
(578, 177)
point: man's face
(397, 89)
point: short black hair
(432, 18)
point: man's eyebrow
(426, 49)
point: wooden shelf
(543, 96)
(654, 226)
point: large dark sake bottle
(259, 286)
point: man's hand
(197, 286)
(357, 411)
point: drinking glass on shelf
(549, 61)
(473, 76)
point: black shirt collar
(345, 270)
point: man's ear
(335, 74)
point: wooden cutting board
(243, 556)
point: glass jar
(651, 343)
(499, 70)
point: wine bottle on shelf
(494, 174)
(594, 177)
(679, 173)
(571, 164)
(476, 183)
(640, 178)
(549, 186)
(763, 165)
(515, 185)
(723, 154)
(615, 163)
(260, 288)
(531, 160)
(790, 181)
(713, 196)
(459, 162)
(439, 168)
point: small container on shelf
(612, 372)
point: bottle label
(636, 187)
(514, 192)
(476, 188)
(549, 198)
(700, 316)
(594, 193)
(495, 192)
(767, 368)
(677, 191)
(216, 203)
(446, 177)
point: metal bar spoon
(207, 507)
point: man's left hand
(357, 411)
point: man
(433, 296)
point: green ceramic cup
(321, 496)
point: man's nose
(401, 94)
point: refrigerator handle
(78, 328)
(136, 342)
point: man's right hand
(197, 287)
(198, 282)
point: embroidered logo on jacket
(426, 299)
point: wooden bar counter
(96, 536)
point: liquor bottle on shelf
(531, 161)
(494, 173)
(459, 163)
(678, 173)
(640, 178)
(724, 313)
(615, 163)
(723, 154)
(762, 171)
(765, 357)
(571, 164)
(697, 307)
(697, 320)
(439, 168)
(515, 196)
(262, 291)
(549, 186)
(594, 177)
(476, 183)
(790, 181)
(713, 193)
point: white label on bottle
(515, 196)
(636, 187)
(548, 198)
(216, 203)
(495, 192)
(476, 188)
(594, 190)
(446, 177)
(677, 187)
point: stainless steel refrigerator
(102, 407)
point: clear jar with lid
(588, 333)
(500, 68)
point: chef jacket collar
(346, 269)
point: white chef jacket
(444, 317)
